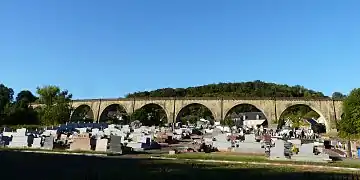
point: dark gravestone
(6, 140)
(92, 143)
(30, 140)
(287, 149)
(115, 144)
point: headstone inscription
(81, 142)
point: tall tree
(19, 111)
(57, 107)
(350, 123)
(338, 95)
(6, 96)
(26, 97)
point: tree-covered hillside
(243, 89)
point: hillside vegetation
(243, 89)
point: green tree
(150, 115)
(194, 113)
(83, 114)
(139, 114)
(350, 123)
(19, 112)
(338, 95)
(243, 89)
(26, 97)
(56, 109)
(6, 97)
(228, 122)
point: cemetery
(286, 144)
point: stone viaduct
(272, 108)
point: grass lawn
(21, 165)
(52, 150)
(256, 158)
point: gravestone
(93, 141)
(6, 139)
(221, 143)
(288, 149)
(101, 145)
(307, 149)
(249, 145)
(81, 142)
(145, 142)
(249, 138)
(277, 152)
(306, 153)
(115, 144)
(49, 143)
(30, 140)
(296, 142)
(36, 143)
(19, 139)
(135, 145)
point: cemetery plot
(203, 136)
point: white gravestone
(101, 145)
(36, 143)
(19, 139)
(277, 152)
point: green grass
(53, 150)
(205, 156)
(217, 156)
(243, 158)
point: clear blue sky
(108, 48)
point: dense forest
(244, 89)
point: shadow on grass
(21, 165)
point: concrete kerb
(261, 163)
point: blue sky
(105, 49)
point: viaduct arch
(329, 109)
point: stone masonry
(272, 108)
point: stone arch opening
(245, 115)
(302, 115)
(82, 113)
(150, 115)
(192, 113)
(114, 114)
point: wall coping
(208, 98)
